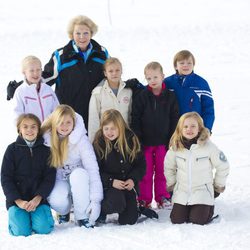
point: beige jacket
(195, 173)
(102, 99)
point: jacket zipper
(189, 177)
(31, 152)
(40, 104)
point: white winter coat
(102, 99)
(28, 100)
(80, 155)
(191, 173)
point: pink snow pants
(154, 156)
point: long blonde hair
(176, 141)
(128, 152)
(59, 146)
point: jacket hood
(203, 137)
(75, 136)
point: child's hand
(32, 204)
(119, 184)
(129, 184)
(21, 203)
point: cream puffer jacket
(102, 99)
(195, 173)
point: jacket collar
(22, 142)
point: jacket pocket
(209, 191)
(180, 158)
(202, 158)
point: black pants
(197, 214)
(122, 202)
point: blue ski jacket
(193, 94)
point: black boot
(150, 213)
(102, 218)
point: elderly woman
(77, 67)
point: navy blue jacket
(25, 172)
(154, 118)
(74, 77)
(193, 94)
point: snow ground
(137, 32)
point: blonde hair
(153, 66)
(30, 116)
(111, 60)
(59, 146)
(81, 20)
(128, 152)
(176, 140)
(183, 55)
(28, 60)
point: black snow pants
(122, 202)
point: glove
(94, 209)
(11, 88)
(216, 194)
(150, 213)
(170, 189)
(218, 190)
(134, 84)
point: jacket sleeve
(174, 116)
(170, 167)
(137, 110)
(94, 115)
(138, 168)
(221, 165)
(18, 104)
(8, 175)
(90, 164)
(55, 100)
(50, 72)
(48, 182)
(207, 106)
(106, 178)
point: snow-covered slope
(137, 32)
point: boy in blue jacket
(192, 91)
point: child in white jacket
(78, 180)
(109, 94)
(34, 95)
(189, 166)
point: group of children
(139, 145)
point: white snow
(137, 32)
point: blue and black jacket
(76, 74)
(193, 94)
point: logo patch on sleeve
(223, 157)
